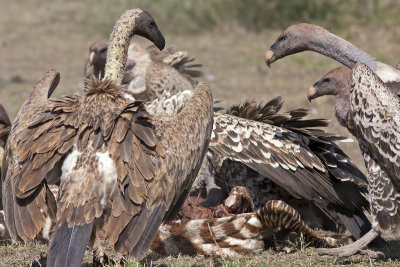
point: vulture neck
(117, 51)
(330, 45)
(342, 108)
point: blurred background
(229, 37)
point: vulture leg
(352, 248)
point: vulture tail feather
(146, 239)
(68, 245)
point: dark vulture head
(98, 54)
(147, 27)
(335, 82)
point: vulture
(308, 37)
(370, 111)
(122, 171)
(149, 72)
(280, 156)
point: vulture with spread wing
(370, 111)
(279, 156)
(149, 72)
(123, 172)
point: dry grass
(293, 254)
(39, 35)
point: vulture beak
(159, 40)
(269, 57)
(91, 57)
(311, 93)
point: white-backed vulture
(308, 37)
(370, 111)
(149, 73)
(123, 172)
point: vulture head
(147, 27)
(337, 83)
(293, 40)
(308, 37)
(98, 54)
(131, 22)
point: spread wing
(274, 152)
(322, 144)
(285, 158)
(376, 118)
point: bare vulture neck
(330, 45)
(117, 52)
(342, 108)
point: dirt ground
(38, 35)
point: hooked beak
(269, 57)
(311, 93)
(91, 57)
(159, 40)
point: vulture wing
(279, 154)
(26, 212)
(181, 151)
(306, 163)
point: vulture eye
(327, 80)
(282, 38)
(104, 50)
(152, 24)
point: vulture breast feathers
(376, 119)
(117, 162)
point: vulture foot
(352, 248)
